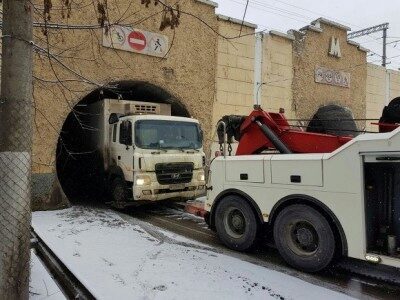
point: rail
(67, 281)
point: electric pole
(384, 56)
(382, 27)
(15, 149)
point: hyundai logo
(175, 176)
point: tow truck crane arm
(263, 130)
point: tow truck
(321, 196)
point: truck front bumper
(155, 191)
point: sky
(283, 15)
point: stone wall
(188, 72)
(311, 50)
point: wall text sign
(332, 77)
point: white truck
(148, 154)
(316, 205)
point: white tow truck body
(157, 156)
(356, 188)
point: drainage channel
(68, 283)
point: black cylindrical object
(275, 140)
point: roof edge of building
(311, 28)
(353, 43)
(361, 48)
(282, 34)
(331, 23)
(236, 21)
(208, 2)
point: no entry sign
(135, 40)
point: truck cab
(149, 156)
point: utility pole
(382, 27)
(384, 47)
(15, 149)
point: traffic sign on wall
(135, 40)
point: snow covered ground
(41, 284)
(120, 259)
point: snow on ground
(41, 284)
(117, 259)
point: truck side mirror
(128, 137)
(113, 118)
(201, 132)
(125, 135)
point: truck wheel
(119, 192)
(236, 223)
(304, 238)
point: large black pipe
(275, 140)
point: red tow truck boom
(276, 132)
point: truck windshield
(162, 134)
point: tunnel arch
(79, 164)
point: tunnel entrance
(79, 163)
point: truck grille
(173, 173)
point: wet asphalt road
(171, 217)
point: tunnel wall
(82, 65)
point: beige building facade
(383, 85)
(215, 65)
(293, 64)
(78, 70)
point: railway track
(68, 283)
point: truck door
(124, 149)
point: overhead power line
(294, 14)
(367, 31)
(244, 16)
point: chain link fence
(15, 149)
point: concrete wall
(188, 72)
(235, 70)
(376, 94)
(394, 84)
(277, 74)
(382, 86)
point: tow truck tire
(304, 238)
(236, 223)
(119, 192)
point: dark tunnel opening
(79, 162)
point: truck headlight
(201, 176)
(142, 180)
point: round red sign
(137, 40)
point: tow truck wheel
(236, 223)
(118, 192)
(304, 238)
